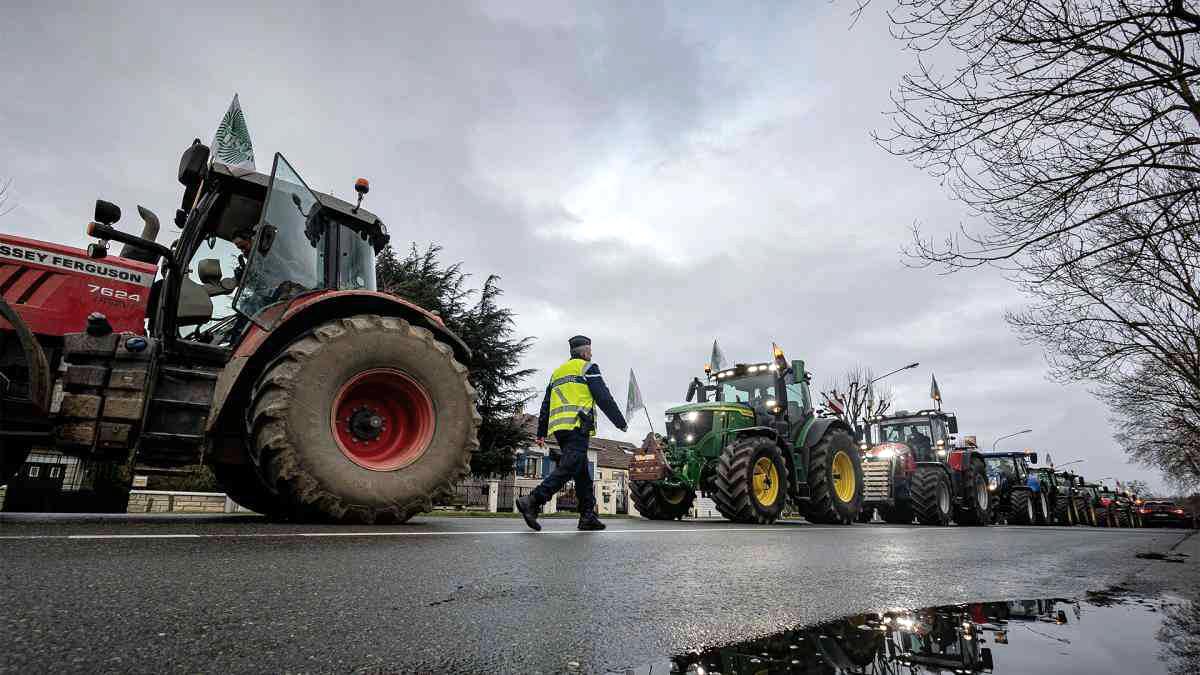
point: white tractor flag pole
(231, 143)
(634, 401)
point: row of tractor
(750, 439)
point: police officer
(569, 412)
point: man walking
(569, 412)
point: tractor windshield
(288, 254)
(356, 260)
(915, 433)
(1004, 465)
(754, 390)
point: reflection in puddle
(1108, 632)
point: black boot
(589, 521)
(529, 511)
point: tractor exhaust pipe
(150, 233)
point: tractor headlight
(692, 416)
(993, 485)
(941, 452)
(772, 404)
(689, 438)
(886, 453)
(863, 445)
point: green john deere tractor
(750, 442)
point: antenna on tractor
(362, 186)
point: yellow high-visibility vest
(570, 398)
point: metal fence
(467, 495)
(510, 493)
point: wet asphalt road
(484, 595)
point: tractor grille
(877, 480)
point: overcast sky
(653, 177)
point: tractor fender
(756, 431)
(260, 347)
(945, 469)
(821, 426)
(35, 357)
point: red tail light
(1105, 501)
(1179, 512)
(1144, 510)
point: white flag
(231, 144)
(634, 402)
(717, 360)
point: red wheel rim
(382, 419)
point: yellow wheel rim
(766, 481)
(672, 497)
(843, 477)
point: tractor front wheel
(931, 495)
(834, 480)
(659, 502)
(751, 481)
(977, 510)
(1021, 509)
(364, 419)
(1044, 517)
(1063, 513)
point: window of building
(531, 466)
(34, 471)
(55, 471)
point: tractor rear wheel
(364, 419)
(931, 495)
(1063, 513)
(834, 480)
(1084, 513)
(242, 484)
(1044, 517)
(977, 510)
(658, 502)
(751, 481)
(1021, 510)
(900, 514)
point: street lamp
(1023, 431)
(908, 367)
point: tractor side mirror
(1032, 457)
(191, 171)
(952, 424)
(266, 239)
(107, 212)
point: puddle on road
(1106, 632)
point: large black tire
(1084, 513)
(977, 507)
(900, 514)
(295, 447)
(243, 485)
(1020, 509)
(931, 495)
(735, 496)
(656, 502)
(825, 505)
(1042, 506)
(1063, 513)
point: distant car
(1164, 513)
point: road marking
(474, 533)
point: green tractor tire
(900, 514)
(1063, 513)
(931, 496)
(834, 480)
(659, 502)
(1021, 510)
(751, 481)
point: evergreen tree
(487, 328)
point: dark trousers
(573, 465)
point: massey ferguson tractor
(310, 395)
(912, 467)
(754, 446)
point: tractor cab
(927, 434)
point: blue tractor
(1017, 493)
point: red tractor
(309, 394)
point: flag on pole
(717, 360)
(934, 392)
(231, 144)
(634, 402)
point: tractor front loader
(310, 395)
(754, 446)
